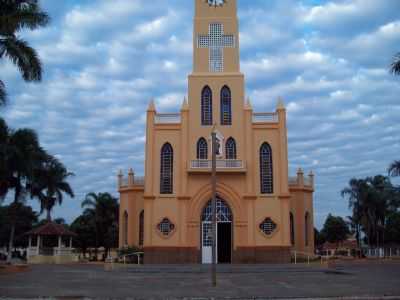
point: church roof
(51, 228)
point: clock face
(216, 2)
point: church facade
(262, 213)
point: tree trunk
(11, 241)
(48, 217)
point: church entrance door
(224, 233)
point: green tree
(50, 184)
(371, 200)
(15, 16)
(319, 238)
(21, 155)
(335, 229)
(395, 66)
(394, 168)
(356, 192)
(25, 222)
(392, 228)
(85, 228)
(104, 210)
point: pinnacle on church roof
(248, 103)
(152, 106)
(281, 104)
(185, 105)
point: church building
(262, 213)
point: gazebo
(53, 244)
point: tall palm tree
(395, 66)
(3, 94)
(394, 168)
(356, 192)
(50, 184)
(17, 15)
(21, 155)
(104, 208)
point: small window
(141, 228)
(166, 172)
(166, 227)
(126, 219)
(202, 149)
(306, 228)
(266, 175)
(206, 107)
(292, 238)
(226, 106)
(230, 149)
(268, 226)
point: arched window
(226, 106)
(141, 228)
(202, 149)
(291, 229)
(266, 177)
(206, 107)
(166, 172)
(230, 149)
(125, 228)
(306, 229)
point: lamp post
(214, 207)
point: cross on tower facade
(216, 41)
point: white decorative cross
(216, 41)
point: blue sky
(104, 60)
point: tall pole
(214, 208)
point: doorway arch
(224, 232)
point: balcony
(265, 118)
(167, 118)
(223, 165)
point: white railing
(62, 251)
(221, 164)
(293, 180)
(167, 118)
(139, 180)
(265, 118)
(32, 251)
(307, 181)
(381, 252)
(124, 181)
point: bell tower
(216, 85)
(216, 37)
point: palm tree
(394, 168)
(356, 192)
(17, 15)
(104, 209)
(21, 155)
(3, 94)
(395, 66)
(50, 184)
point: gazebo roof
(51, 228)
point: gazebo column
(30, 242)
(38, 245)
(70, 242)
(59, 245)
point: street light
(215, 149)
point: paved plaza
(240, 282)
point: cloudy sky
(104, 60)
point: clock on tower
(216, 2)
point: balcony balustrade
(222, 165)
(167, 118)
(265, 118)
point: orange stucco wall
(239, 187)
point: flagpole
(214, 207)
